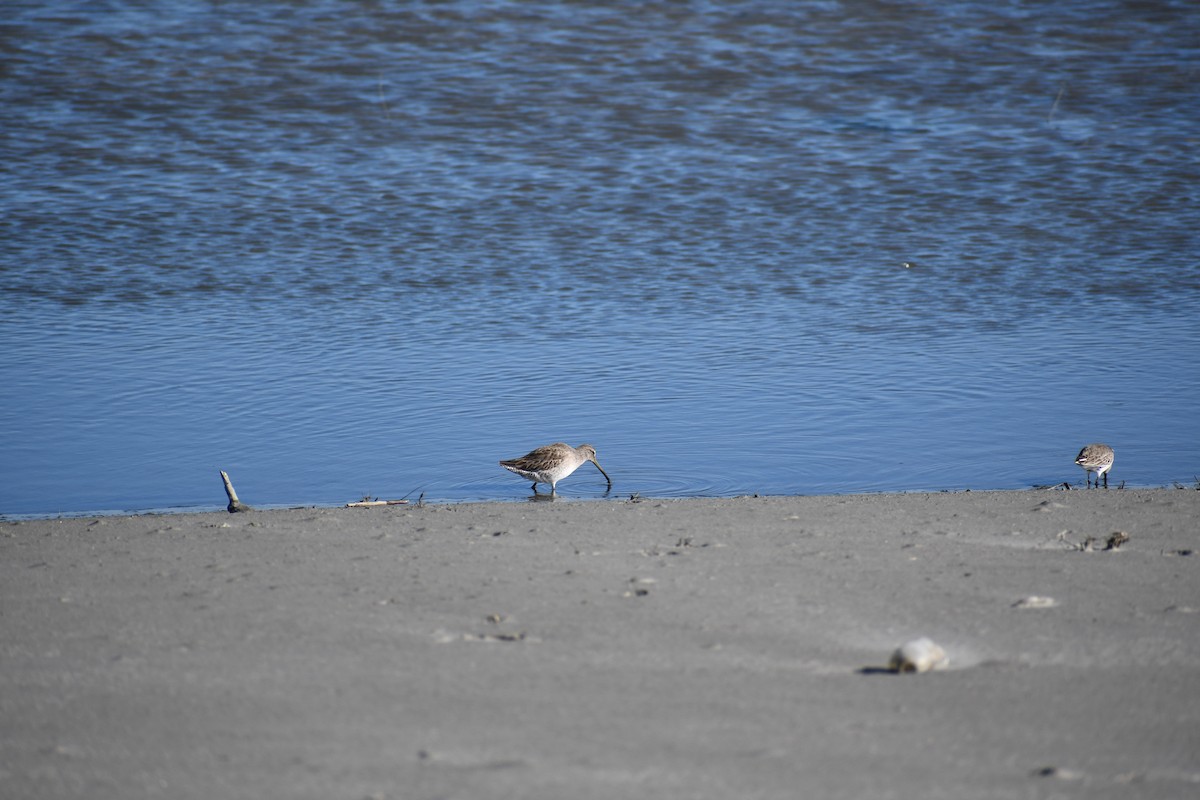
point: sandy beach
(706, 648)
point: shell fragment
(918, 655)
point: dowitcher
(553, 462)
(1097, 458)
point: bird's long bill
(602, 472)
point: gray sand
(669, 649)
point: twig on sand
(235, 505)
(366, 502)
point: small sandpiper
(1097, 458)
(553, 462)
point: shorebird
(1097, 458)
(553, 462)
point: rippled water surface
(341, 248)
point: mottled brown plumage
(1097, 458)
(553, 462)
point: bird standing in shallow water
(553, 462)
(1097, 458)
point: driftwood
(365, 503)
(235, 505)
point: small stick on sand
(235, 505)
(368, 503)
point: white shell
(918, 655)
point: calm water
(351, 248)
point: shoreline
(565, 498)
(691, 647)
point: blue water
(343, 249)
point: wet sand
(708, 648)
